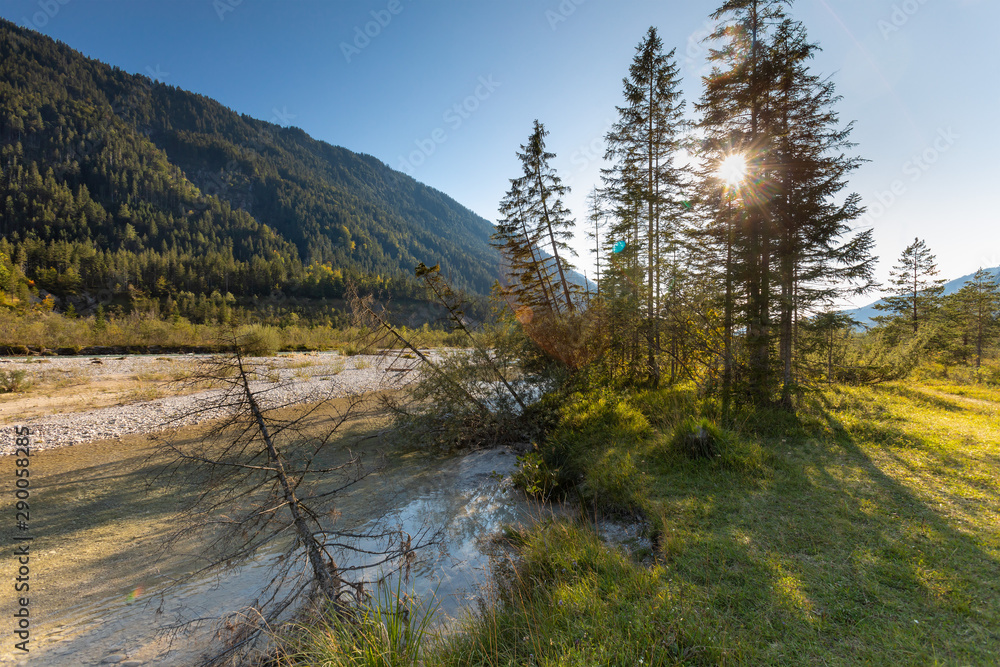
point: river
(98, 568)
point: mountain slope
(865, 314)
(111, 181)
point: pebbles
(287, 380)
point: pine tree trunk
(727, 371)
(653, 367)
(552, 240)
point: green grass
(865, 529)
(389, 630)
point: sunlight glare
(733, 169)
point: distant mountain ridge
(865, 314)
(110, 180)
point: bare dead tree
(444, 293)
(269, 473)
(470, 398)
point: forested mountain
(112, 181)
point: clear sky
(446, 90)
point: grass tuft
(391, 630)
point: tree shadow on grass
(831, 558)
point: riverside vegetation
(863, 528)
(40, 330)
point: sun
(732, 169)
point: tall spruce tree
(817, 260)
(738, 117)
(788, 243)
(641, 147)
(534, 232)
(916, 293)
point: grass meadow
(863, 529)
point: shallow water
(460, 495)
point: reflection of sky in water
(420, 494)
(467, 504)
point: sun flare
(732, 169)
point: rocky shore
(287, 379)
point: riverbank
(70, 400)
(863, 529)
(100, 556)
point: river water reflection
(462, 496)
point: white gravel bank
(328, 376)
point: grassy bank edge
(861, 528)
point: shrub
(990, 374)
(697, 438)
(13, 381)
(258, 340)
(534, 476)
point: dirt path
(992, 405)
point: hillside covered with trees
(113, 184)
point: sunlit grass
(390, 629)
(863, 530)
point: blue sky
(447, 90)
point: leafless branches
(268, 475)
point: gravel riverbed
(286, 380)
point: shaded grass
(864, 529)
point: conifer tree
(916, 293)
(529, 277)
(641, 146)
(788, 243)
(535, 229)
(978, 307)
(598, 218)
(816, 259)
(738, 116)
